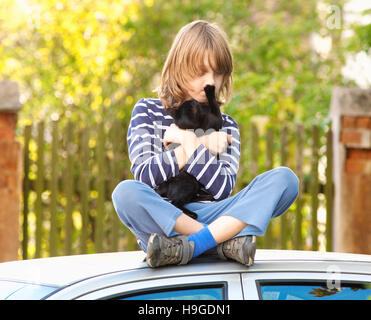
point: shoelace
(173, 250)
(232, 247)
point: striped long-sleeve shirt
(153, 164)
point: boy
(199, 56)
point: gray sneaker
(241, 249)
(163, 251)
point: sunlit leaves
(93, 59)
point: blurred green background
(90, 60)
(83, 64)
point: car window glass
(181, 294)
(19, 290)
(9, 287)
(32, 292)
(314, 291)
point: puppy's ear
(210, 92)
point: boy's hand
(174, 134)
(216, 142)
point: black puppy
(191, 114)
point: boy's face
(196, 85)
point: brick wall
(351, 118)
(356, 136)
(10, 172)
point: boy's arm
(217, 175)
(149, 163)
(185, 151)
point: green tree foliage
(90, 60)
(361, 40)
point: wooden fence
(70, 172)
(305, 151)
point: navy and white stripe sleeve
(149, 164)
(217, 175)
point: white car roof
(61, 271)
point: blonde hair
(185, 61)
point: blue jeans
(144, 211)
